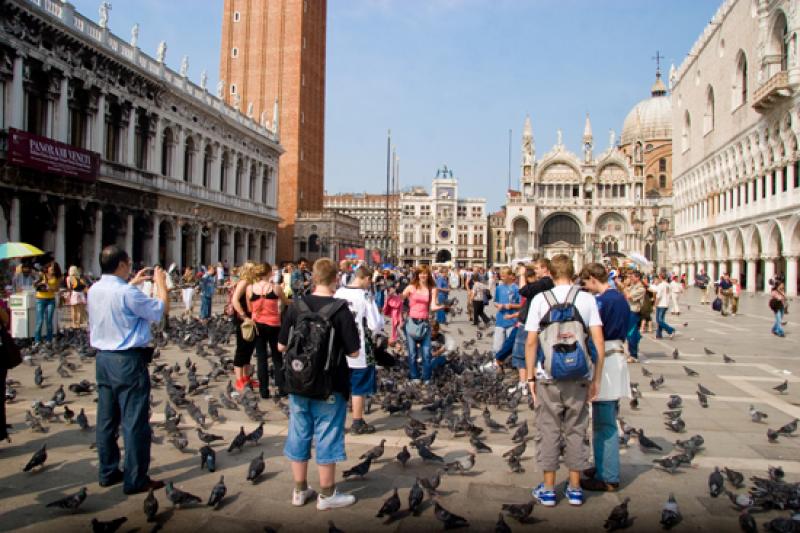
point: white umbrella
(640, 260)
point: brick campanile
(275, 49)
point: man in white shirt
(661, 290)
(362, 368)
(562, 406)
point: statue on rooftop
(135, 35)
(105, 7)
(161, 53)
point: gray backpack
(562, 340)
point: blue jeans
(205, 307)
(441, 315)
(45, 307)
(414, 352)
(380, 299)
(777, 328)
(123, 391)
(661, 313)
(518, 352)
(605, 440)
(634, 320)
(320, 420)
(508, 346)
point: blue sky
(451, 77)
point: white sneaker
(301, 497)
(336, 501)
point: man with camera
(119, 328)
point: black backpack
(310, 359)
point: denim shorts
(321, 420)
(518, 353)
(362, 381)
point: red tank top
(266, 307)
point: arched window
(223, 173)
(167, 147)
(662, 164)
(662, 181)
(708, 117)
(740, 81)
(686, 132)
(561, 228)
(610, 245)
(313, 243)
(208, 155)
(188, 159)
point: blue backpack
(562, 339)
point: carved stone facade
(371, 212)
(324, 234)
(183, 177)
(736, 104)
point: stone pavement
(731, 439)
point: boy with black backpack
(562, 379)
(318, 332)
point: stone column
(258, 247)
(198, 245)
(17, 96)
(130, 146)
(231, 246)
(154, 242)
(216, 163)
(15, 221)
(790, 175)
(99, 126)
(750, 266)
(155, 165)
(61, 241)
(690, 274)
(98, 240)
(711, 270)
(791, 276)
(736, 268)
(769, 272)
(247, 247)
(177, 243)
(214, 236)
(62, 121)
(129, 235)
(179, 153)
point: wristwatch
(531, 380)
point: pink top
(418, 303)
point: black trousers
(477, 312)
(268, 338)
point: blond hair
(505, 271)
(324, 272)
(561, 267)
(246, 271)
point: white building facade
(441, 227)
(179, 176)
(375, 213)
(737, 177)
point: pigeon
(150, 506)
(736, 478)
(756, 415)
(511, 421)
(450, 520)
(430, 484)
(782, 388)
(689, 372)
(71, 502)
(412, 433)
(427, 440)
(673, 415)
(788, 429)
(704, 390)
(37, 459)
(108, 527)
(428, 455)
(38, 378)
(674, 401)
(255, 435)
(514, 464)
(179, 497)
(741, 501)
(238, 441)
(634, 404)
(59, 396)
(415, 497)
(670, 515)
(646, 444)
(479, 445)
(703, 399)
(677, 425)
(390, 506)
(772, 435)
(715, 483)
(656, 384)
(208, 458)
(256, 468)
(404, 456)
(332, 527)
(217, 493)
(519, 511)
(776, 473)
(618, 519)
(360, 470)
(69, 414)
(208, 438)
(783, 524)
(521, 433)
(180, 442)
(517, 450)
(376, 452)
(461, 465)
(501, 526)
(646, 373)
(708, 352)
(675, 353)
(747, 523)
(728, 359)
(669, 464)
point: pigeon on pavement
(670, 514)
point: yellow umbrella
(9, 250)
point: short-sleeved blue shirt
(506, 294)
(614, 312)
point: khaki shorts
(562, 409)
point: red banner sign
(41, 153)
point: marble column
(198, 245)
(61, 240)
(177, 245)
(791, 276)
(98, 240)
(216, 164)
(769, 273)
(154, 242)
(214, 236)
(750, 267)
(17, 96)
(711, 270)
(230, 256)
(155, 164)
(15, 221)
(130, 146)
(736, 268)
(178, 154)
(129, 235)
(62, 120)
(99, 126)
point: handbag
(248, 328)
(10, 354)
(417, 329)
(716, 305)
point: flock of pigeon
(458, 402)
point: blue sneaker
(574, 496)
(545, 497)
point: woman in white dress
(675, 291)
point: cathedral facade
(592, 206)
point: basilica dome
(650, 119)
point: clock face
(444, 234)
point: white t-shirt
(585, 302)
(361, 305)
(661, 290)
